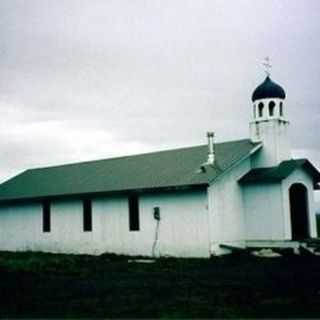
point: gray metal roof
(163, 169)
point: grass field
(37, 285)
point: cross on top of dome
(267, 64)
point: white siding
(267, 208)
(226, 211)
(67, 233)
(299, 176)
(264, 212)
(183, 227)
(19, 227)
(273, 134)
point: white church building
(190, 202)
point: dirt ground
(38, 285)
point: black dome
(268, 89)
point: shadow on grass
(37, 285)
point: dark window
(281, 109)
(271, 108)
(134, 224)
(260, 109)
(87, 215)
(46, 223)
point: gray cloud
(86, 79)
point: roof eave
(98, 194)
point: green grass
(39, 285)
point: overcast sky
(82, 80)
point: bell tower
(269, 124)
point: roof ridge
(129, 156)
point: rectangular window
(134, 224)
(46, 223)
(87, 215)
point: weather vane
(267, 66)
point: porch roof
(280, 172)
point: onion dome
(268, 89)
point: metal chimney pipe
(211, 155)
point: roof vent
(211, 155)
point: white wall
(19, 227)
(226, 210)
(299, 176)
(264, 212)
(273, 134)
(267, 208)
(183, 227)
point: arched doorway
(298, 196)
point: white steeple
(269, 125)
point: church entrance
(298, 196)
